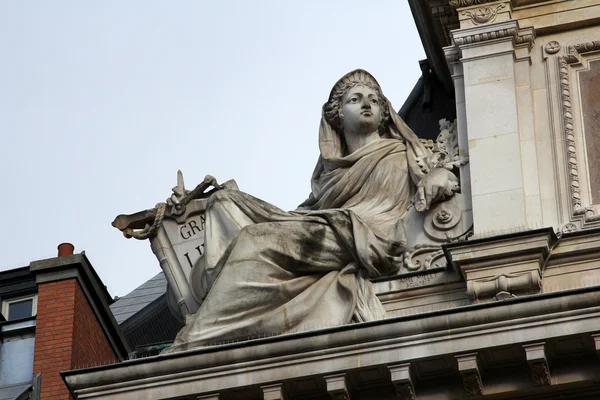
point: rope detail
(149, 230)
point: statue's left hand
(436, 185)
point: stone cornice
(387, 342)
(494, 31)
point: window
(21, 307)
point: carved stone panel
(590, 92)
(578, 125)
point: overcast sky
(102, 102)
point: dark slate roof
(15, 392)
(138, 299)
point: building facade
(512, 312)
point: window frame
(7, 302)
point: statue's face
(361, 110)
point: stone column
(452, 54)
(497, 112)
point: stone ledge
(463, 330)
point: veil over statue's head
(331, 109)
(331, 138)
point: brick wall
(89, 343)
(67, 336)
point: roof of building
(145, 318)
(130, 304)
(15, 392)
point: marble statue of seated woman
(266, 271)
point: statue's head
(357, 90)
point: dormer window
(20, 307)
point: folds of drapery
(267, 272)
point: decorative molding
(484, 15)
(567, 108)
(424, 257)
(472, 384)
(569, 227)
(402, 381)
(573, 52)
(467, 3)
(528, 281)
(578, 210)
(552, 47)
(522, 36)
(485, 36)
(536, 358)
(445, 150)
(526, 38)
(468, 366)
(452, 57)
(499, 267)
(337, 387)
(587, 47)
(540, 374)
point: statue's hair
(334, 104)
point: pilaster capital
(485, 35)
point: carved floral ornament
(572, 57)
(552, 47)
(484, 15)
(467, 3)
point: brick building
(55, 317)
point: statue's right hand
(437, 185)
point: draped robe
(268, 272)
